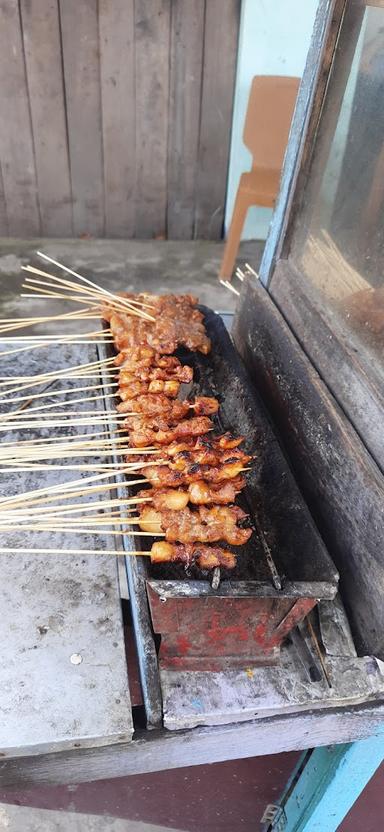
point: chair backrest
(270, 109)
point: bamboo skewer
(34, 414)
(70, 449)
(250, 270)
(59, 336)
(50, 489)
(86, 436)
(229, 286)
(32, 447)
(115, 518)
(35, 286)
(41, 378)
(7, 416)
(10, 324)
(44, 318)
(66, 495)
(74, 508)
(62, 392)
(84, 295)
(6, 381)
(78, 552)
(68, 454)
(88, 282)
(35, 425)
(102, 466)
(82, 289)
(68, 339)
(66, 530)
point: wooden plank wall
(116, 117)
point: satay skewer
(99, 291)
(23, 449)
(24, 421)
(67, 452)
(76, 508)
(62, 289)
(48, 294)
(67, 339)
(109, 295)
(97, 453)
(41, 378)
(61, 392)
(13, 324)
(79, 552)
(66, 495)
(64, 529)
(41, 409)
(76, 368)
(61, 487)
(6, 381)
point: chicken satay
(156, 405)
(161, 476)
(128, 331)
(202, 493)
(175, 326)
(203, 456)
(138, 388)
(192, 460)
(160, 405)
(225, 441)
(154, 432)
(166, 368)
(205, 525)
(136, 356)
(206, 557)
(199, 493)
(206, 442)
(166, 498)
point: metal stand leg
(324, 786)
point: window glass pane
(338, 239)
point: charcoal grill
(281, 573)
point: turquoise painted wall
(274, 40)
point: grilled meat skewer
(205, 557)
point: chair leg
(242, 203)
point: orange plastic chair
(269, 114)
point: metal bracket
(274, 817)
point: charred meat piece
(192, 456)
(138, 357)
(198, 493)
(178, 323)
(206, 557)
(165, 368)
(166, 498)
(160, 405)
(205, 525)
(154, 431)
(136, 388)
(163, 476)
(203, 493)
(156, 405)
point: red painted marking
(183, 644)
(259, 632)
(221, 633)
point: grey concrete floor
(132, 265)
(21, 819)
